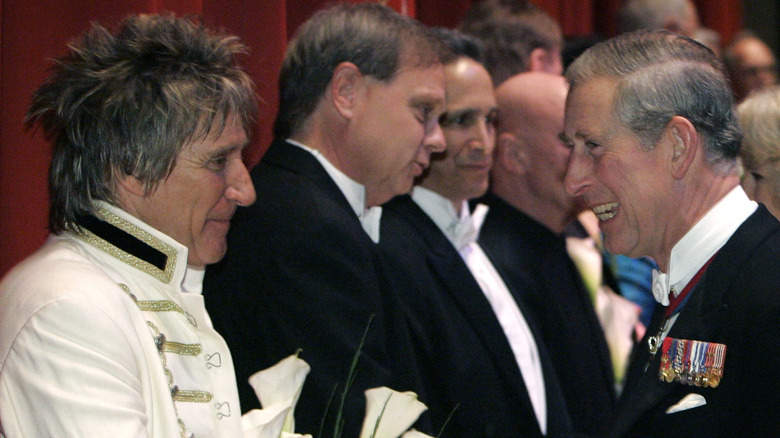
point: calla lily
(265, 423)
(389, 413)
(281, 384)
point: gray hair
(373, 37)
(126, 103)
(759, 116)
(661, 75)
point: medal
(687, 375)
(665, 372)
(717, 366)
(679, 354)
(697, 361)
(694, 363)
(710, 361)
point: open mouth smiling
(606, 212)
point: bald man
(751, 64)
(523, 235)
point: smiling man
(103, 331)
(654, 139)
(478, 353)
(361, 89)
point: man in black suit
(361, 88)
(478, 353)
(650, 120)
(524, 236)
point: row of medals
(694, 363)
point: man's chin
(208, 255)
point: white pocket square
(690, 401)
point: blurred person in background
(751, 64)
(759, 116)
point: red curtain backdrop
(31, 32)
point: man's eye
(757, 176)
(460, 120)
(492, 119)
(217, 163)
(591, 144)
(464, 120)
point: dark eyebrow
(448, 116)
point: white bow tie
(661, 287)
(370, 222)
(466, 231)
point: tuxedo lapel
(470, 299)
(302, 162)
(448, 266)
(325, 196)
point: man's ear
(537, 60)
(685, 143)
(344, 88)
(546, 61)
(508, 153)
(131, 185)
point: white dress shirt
(699, 244)
(353, 191)
(462, 232)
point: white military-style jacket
(104, 333)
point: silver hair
(661, 75)
(759, 116)
(126, 103)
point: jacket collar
(131, 241)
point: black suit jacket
(300, 273)
(534, 261)
(737, 303)
(462, 350)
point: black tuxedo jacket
(465, 357)
(534, 261)
(300, 273)
(737, 303)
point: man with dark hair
(517, 37)
(651, 124)
(361, 89)
(104, 332)
(751, 65)
(678, 16)
(479, 353)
